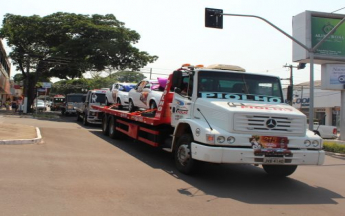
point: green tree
(128, 76)
(65, 45)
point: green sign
(334, 45)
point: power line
(338, 10)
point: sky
(175, 30)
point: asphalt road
(77, 170)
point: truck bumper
(247, 156)
(94, 120)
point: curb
(24, 141)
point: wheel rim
(183, 154)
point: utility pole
(291, 84)
(299, 66)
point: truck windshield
(75, 98)
(239, 86)
(98, 98)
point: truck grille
(270, 123)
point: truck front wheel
(78, 117)
(85, 120)
(279, 170)
(183, 155)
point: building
(326, 103)
(5, 72)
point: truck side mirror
(176, 80)
(177, 90)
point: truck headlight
(230, 139)
(315, 143)
(220, 139)
(307, 143)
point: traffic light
(301, 66)
(213, 18)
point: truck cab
(86, 113)
(73, 101)
(222, 114)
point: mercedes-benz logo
(271, 123)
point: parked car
(146, 94)
(325, 131)
(39, 105)
(118, 93)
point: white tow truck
(222, 114)
(86, 113)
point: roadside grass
(331, 146)
(45, 115)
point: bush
(334, 147)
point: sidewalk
(17, 133)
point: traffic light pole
(310, 50)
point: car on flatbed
(146, 94)
(118, 94)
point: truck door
(181, 105)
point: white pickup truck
(325, 131)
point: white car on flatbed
(146, 94)
(118, 94)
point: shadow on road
(245, 183)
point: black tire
(131, 107)
(119, 106)
(85, 120)
(182, 155)
(113, 133)
(279, 170)
(78, 117)
(107, 102)
(105, 126)
(153, 106)
(62, 112)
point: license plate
(274, 160)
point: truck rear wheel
(105, 127)
(113, 133)
(279, 170)
(183, 155)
